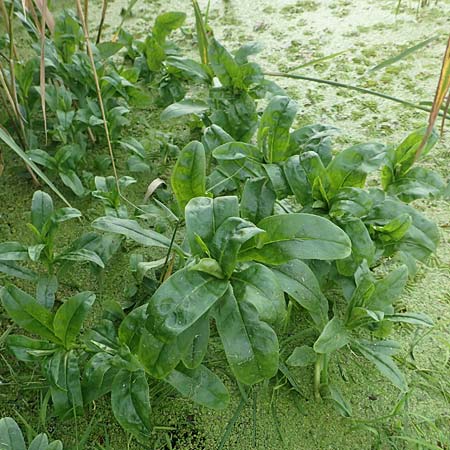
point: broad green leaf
(189, 68)
(166, 23)
(418, 182)
(274, 127)
(27, 312)
(297, 236)
(34, 251)
(239, 159)
(316, 138)
(350, 201)
(188, 176)
(183, 108)
(258, 285)
(300, 283)
(359, 299)
(70, 316)
(181, 301)
(333, 337)
(73, 182)
(27, 349)
(213, 137)
(278, 181)
(383, 362)
(154, 53)
(102, 337)
(98, 376)
(257, 201)
(198, 337)
(395, 229)
(11, 437)
(41, 209)
(199, 215)
(108, 49)
(46, 290)
(351, 166)
(225, 207)
(251, 346)
(241, 168)
(317, 175)
(342, 405)
(201, 386)
(402, 158)
(297, 179)
(238, 116)
(210, 266)
(387, 290)
(13, 251)
(363, 248)
(63, 374)
(83, 255)
(130, 402)
(228, 239)
(40, 442)
(157, 357)
(14, 270)
(130, 329)
(302, 357)
(420, 239)
(131, 230)
(224, 66)
(64, 214)
(412, 318)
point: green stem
(317, 376)
(351, 87)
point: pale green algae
(295, 32)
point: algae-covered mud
(283, 413)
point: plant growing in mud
(54, 94)
(44, 225)
(57, 348)
(299, 164)
(158, 62)
(234, 84)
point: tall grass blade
(102, 21)
(442, 90)
(42, 67)
(318, 60)
(202, 36)
(230, 424)
(403, 54)
(9, 141)
(98, 89)
(352, 88)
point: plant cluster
(280, 232)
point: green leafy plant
(300, 164)
(229, 257)
(234, 85)
(11, 438)
(57, 350)
(158, 62)
(57, 132)
(45, 221)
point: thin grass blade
(403, 54)
(9, 141)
